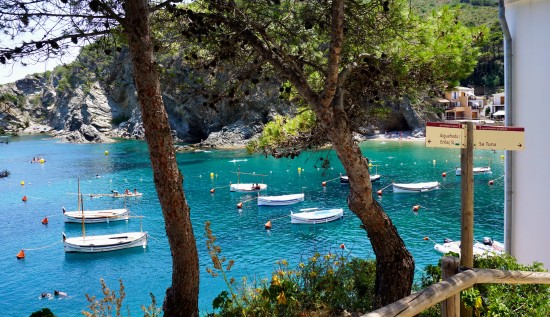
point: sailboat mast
(238, 174)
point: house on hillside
(460, 103)
(497, 108)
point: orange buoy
(491, 182)
(324, 184)
(21, 254)
(342, 246)
(212, 190)
(444, 174)
(268, 224)
(379, 192)
(416, 207)
(45, 221)
(24, 198)
(426, 238)
(240, 205)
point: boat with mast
(103, 243)
(94, 216)
(247, 187)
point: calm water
(241, 233)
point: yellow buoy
(502, 157)
(299, 169)
(211, 175)
(434, 162)
(370, 164)
(106, 152)
(22, 183)
(42, 161)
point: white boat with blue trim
(280, 200)
(487, 247)
(316, 215)
(415, 187)
(105, 243)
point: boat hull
(476, 170)
(281, 200)
(105, 243)
(96, 216)
(317, 216)
(415, 187)
(247, 187)
(479, 248)
(373, 178)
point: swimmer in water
(59, 293)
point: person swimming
(45, 295)
(59, 293)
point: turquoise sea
(240, 232)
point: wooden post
(451, 306)
(467, 220)
(467, 178)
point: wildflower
(301, 265)
(284, 262)
(313, 259)
(275, 281)
(281, 299)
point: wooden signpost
(463, 136)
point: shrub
(44, 312)
(498, 299)
(325, 284)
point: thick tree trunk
(182, 296)
(394, 263)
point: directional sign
(499, 138)
(446, 135)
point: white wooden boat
(345, 180)
(415, 187)
(487, 247)
(104, 243)
(281, 200)
(116, 194)
(247, 187)
(316, 215)
(477, 170)
(96, 216)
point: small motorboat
(96, 216)
(477, 170)
(316, 215)
(415, 187)
(281, 200)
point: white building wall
(529, 23)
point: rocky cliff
(80, 105)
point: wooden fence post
(451, 306)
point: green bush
(498, 299)
(44, 312)
(324, 284)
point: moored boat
(316, 215)
(247, 187)
(96, 216)
(104, 243)
(477, 170)
(487, 247)
(345, 180)
(415, 187)
(281, 200)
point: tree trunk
(394, 263)
(182, 296)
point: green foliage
(17, 100)
(282, 131)
(498, 299)
(327, 284)
(44, 312)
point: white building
(497, 107)
(529, 23)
